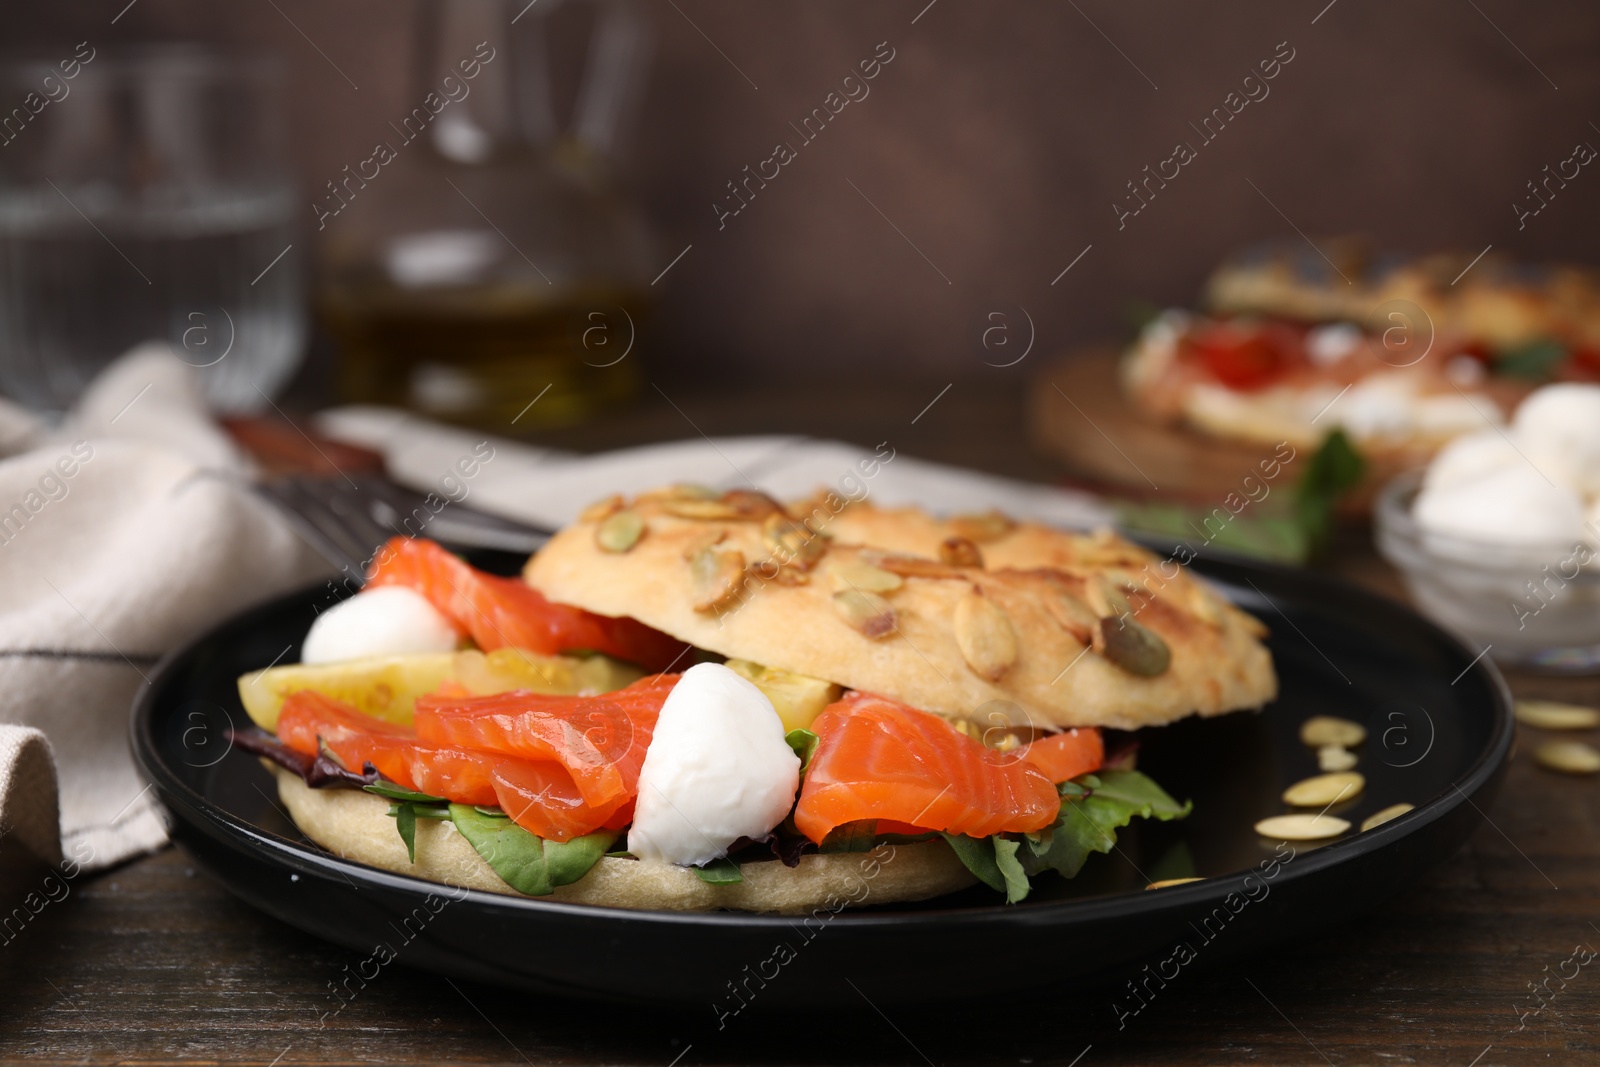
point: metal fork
(346, 519)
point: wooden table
(154, 962)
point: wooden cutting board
(1079, 414)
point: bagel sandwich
(696, 701)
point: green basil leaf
(395, 792)
(405, 817)
(1334, 470)
(804, 743)
(406, 814)
(719, 872)
(421, 811)
(529, 864)
(1535, 361)
(493, 813)
(1016, 879)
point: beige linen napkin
(123, 533)
(548, 489)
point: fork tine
(322, 529)
(359, 522)
(346, 522)
(346, 519)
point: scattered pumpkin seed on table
(1554, 715)
(1570, 757)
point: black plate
(1439, 728)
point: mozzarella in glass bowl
(1499, 540)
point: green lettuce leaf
(994, 861)
(527, 863)
(1089, 823)
(1138, 792)
(1016, 879)
(978, 855)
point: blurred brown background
(996, 140)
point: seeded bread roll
(356, 826)
(1038, 626)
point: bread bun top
(972, 617)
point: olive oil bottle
(481, 264)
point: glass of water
(144, 196)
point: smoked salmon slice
(358, 739)
(539, 795)
(600, 740)
(879, 759)
(501, 612)
(1063, 756)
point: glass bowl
(1535, 607)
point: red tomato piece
(1242, 356)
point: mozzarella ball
(1560, 428)
(1467, 459)
(390, 620)
(717, 769)
(1515, 506)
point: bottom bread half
(356, 826)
